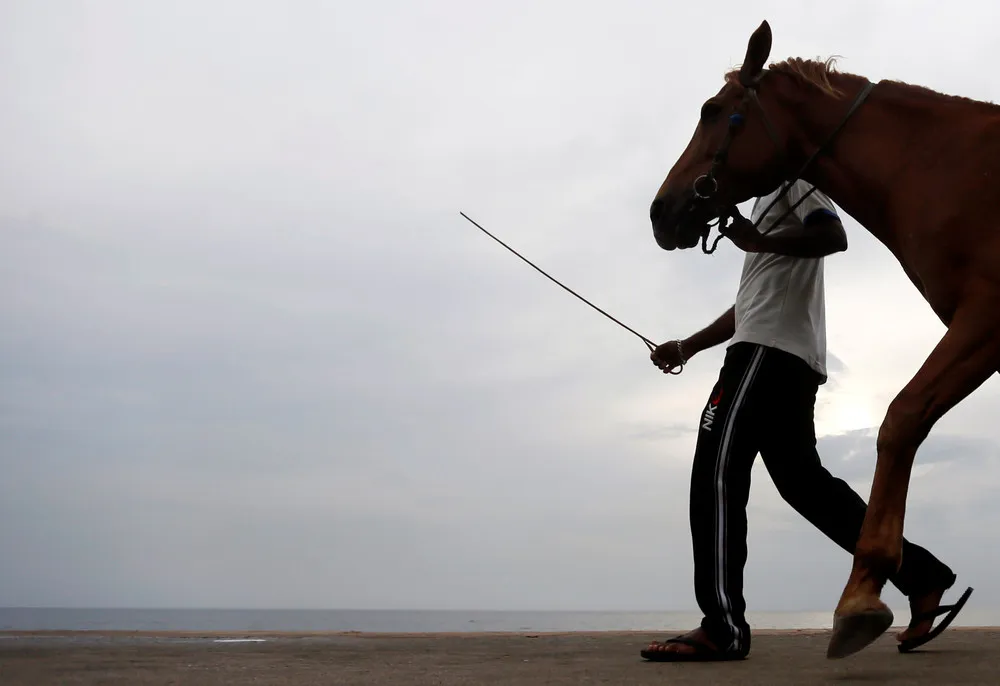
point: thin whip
(649, 343)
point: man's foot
(920, 605)
(925, 609)
(684, 645)
(694, 646)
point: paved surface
(959, 656)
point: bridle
(706, 186)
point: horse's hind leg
(967, 355)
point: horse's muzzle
(678, 221)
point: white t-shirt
(780, 302)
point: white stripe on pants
(721, 463)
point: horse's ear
(758, 50)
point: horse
(919, 170)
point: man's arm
(719, 331)
(672, 354)
(824, 235)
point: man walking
(763, 402)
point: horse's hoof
(853, 632)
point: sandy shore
(959, 656)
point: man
(763, 402)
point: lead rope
(649, 343)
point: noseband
(706, 186)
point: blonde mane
(812, 72)
(816, 73)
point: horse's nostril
(655, 210)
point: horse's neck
(878, 162)
(859, 167)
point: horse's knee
(907, 422)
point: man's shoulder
(801, 189)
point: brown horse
(918, 169)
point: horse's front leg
(967, 355)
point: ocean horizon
(13, 619)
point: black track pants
(763, 403)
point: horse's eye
(709, 110)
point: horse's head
(733, 156)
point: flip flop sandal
(702, 653)
(951, 610)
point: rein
(736, 122)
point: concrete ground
(959, 656)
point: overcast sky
(251, 355)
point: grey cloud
(834, 364)
(645, 432)
(854, 452)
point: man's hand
(744, 234)
(824, 235)
(668, 356)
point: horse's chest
(937, 271)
